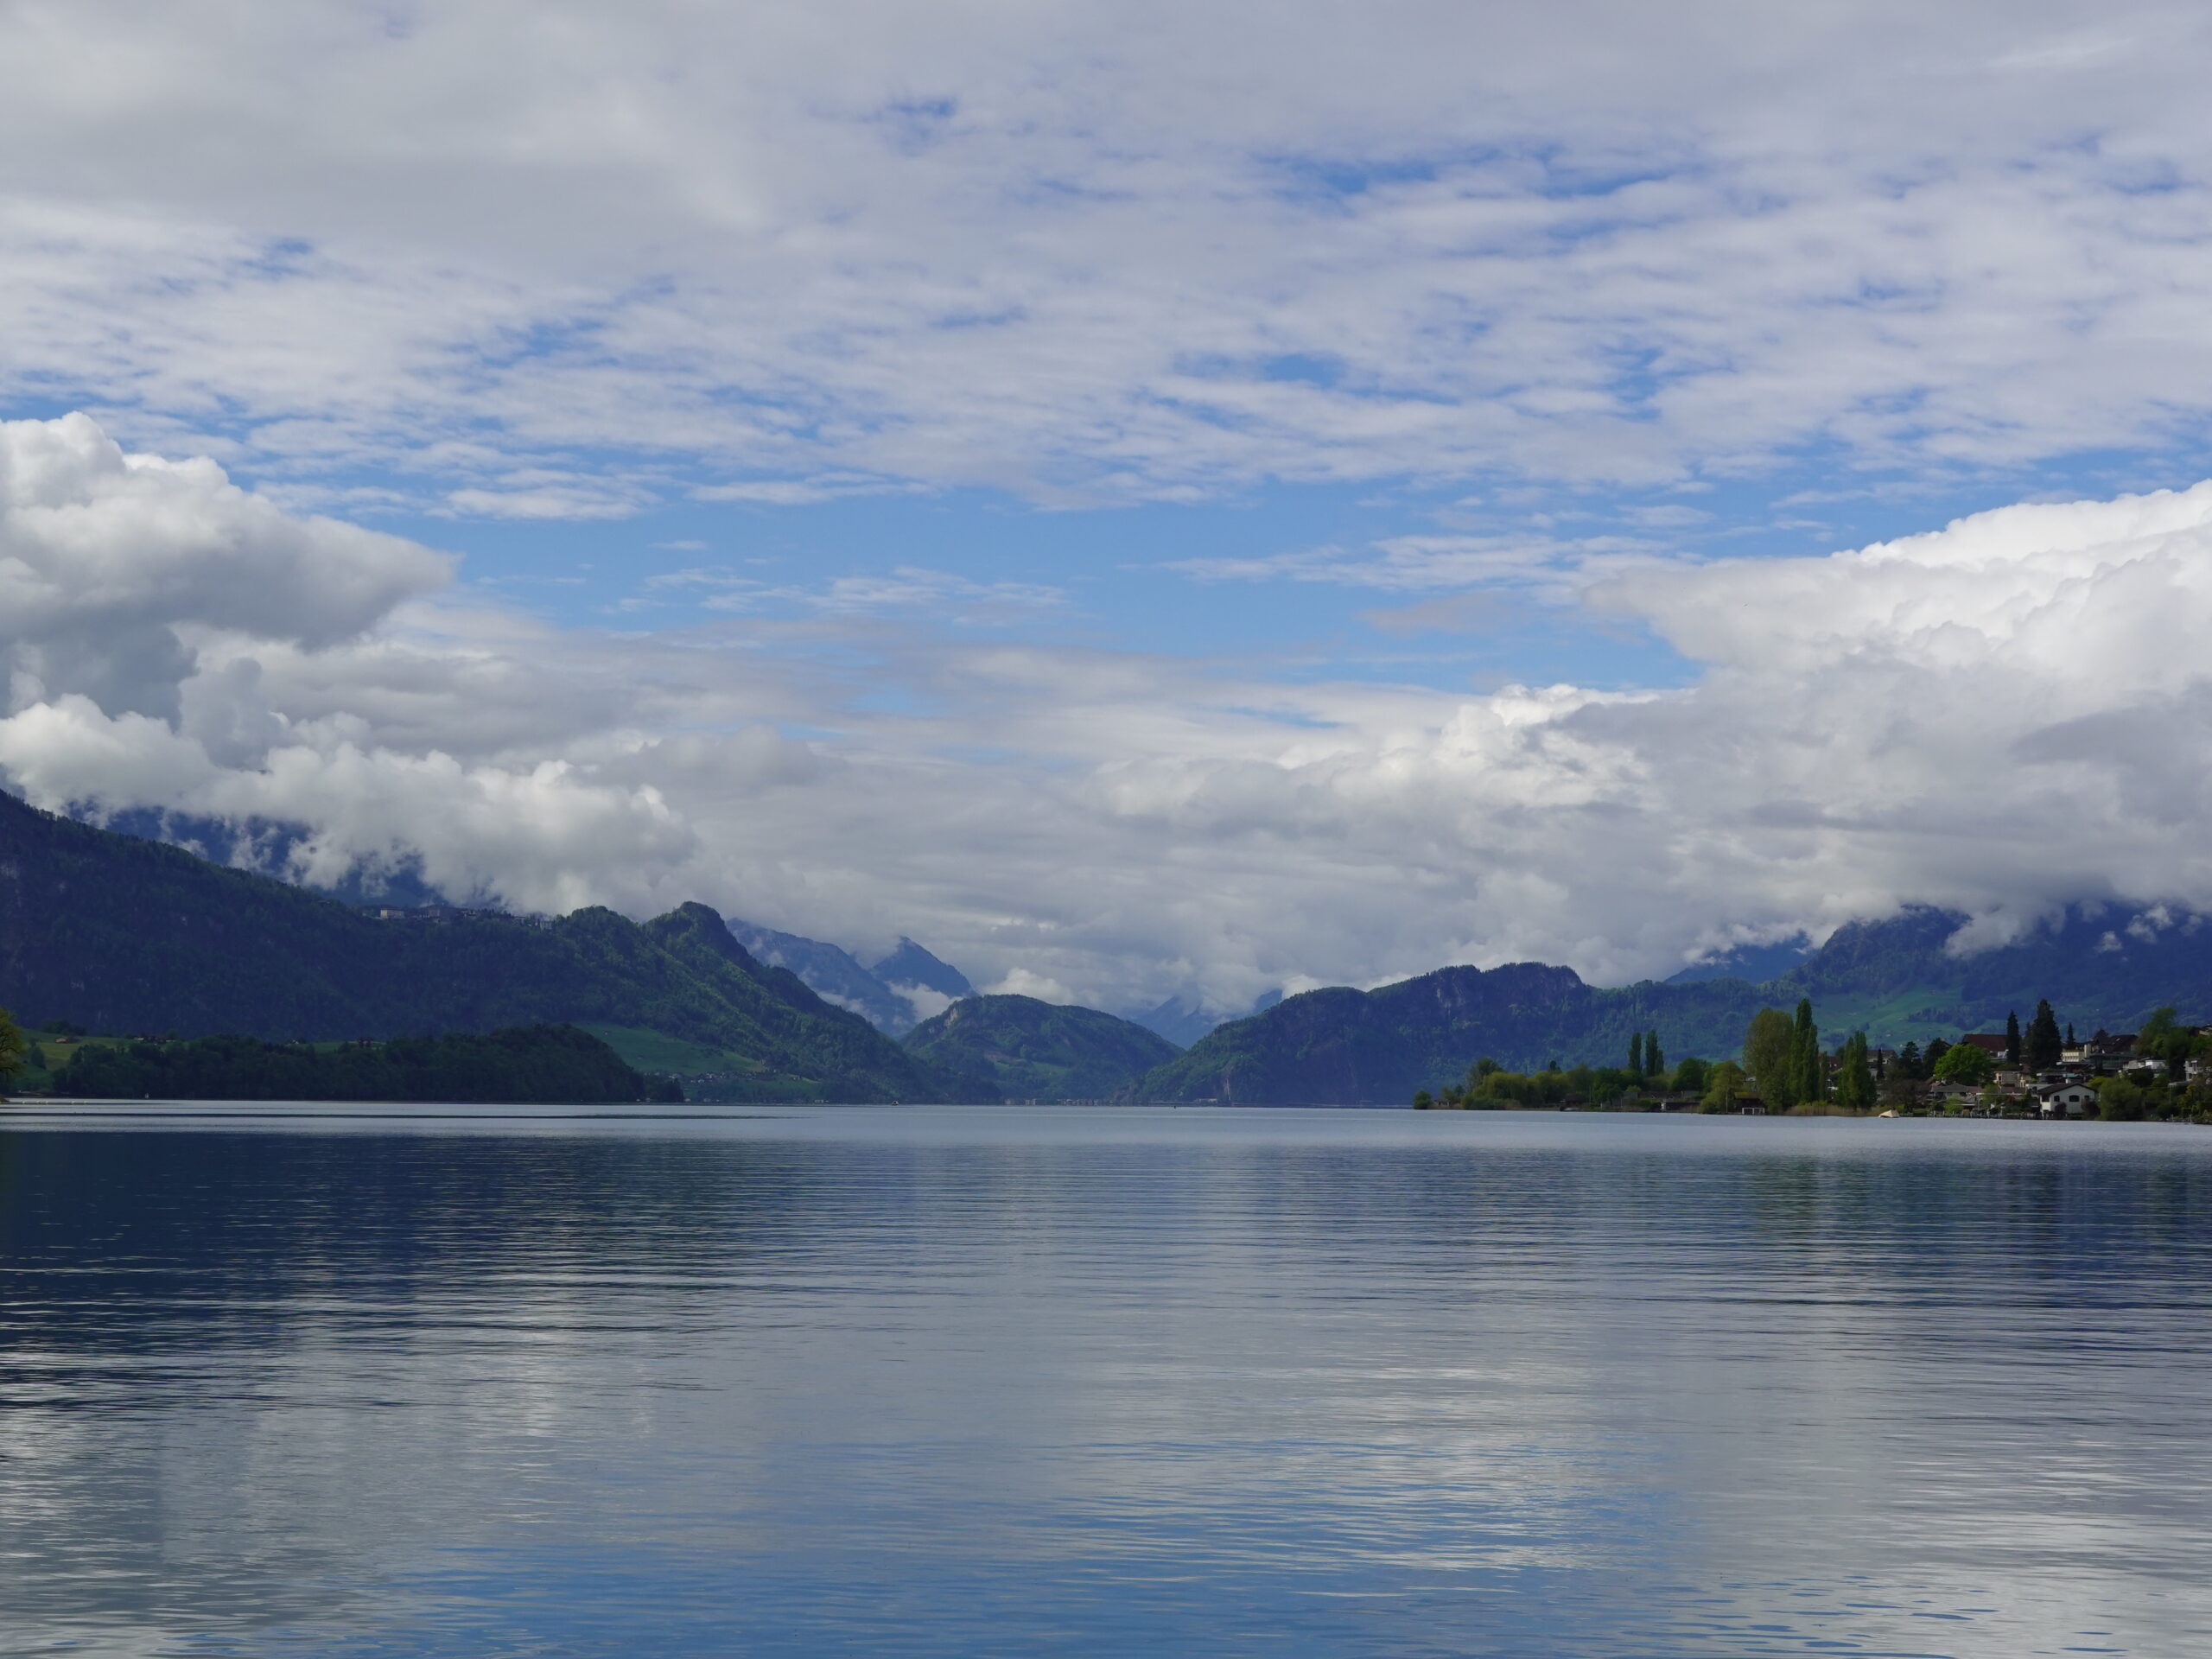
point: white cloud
(947, 595)
(105, 556)
(148, 611)
(543, 502)
(1020, 982)
(797, 491)
(1430, 563)
(2004, 715)
(790, 249)
(926, 1003)
(543, 838)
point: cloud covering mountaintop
(2005, 714)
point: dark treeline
(523, 1065)
(1490, 1086)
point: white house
(2069, 1100)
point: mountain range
(1898, 979)
(891, 996)
(120, 933)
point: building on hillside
(2068, 1100)
(1994, 1042)
(2102, 1054)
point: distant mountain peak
(909, 964)
(1028, 1050)
(834, 974)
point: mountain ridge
(1898, 978)
(122, 934)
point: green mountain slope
(2101, 966)
(1028, 1050)
(798, 1033)
(119, 934)
(1350, 1048)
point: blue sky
(1122, 576)
(1151, 451)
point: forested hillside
(794, 1026)
(1345, 1047)
(121, 935)
(1030, 1050)
(2099, 965)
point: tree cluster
(522, 1066)
(1785, 1060)
(2039, 1045)
(1489, 1086)
(14, 1048)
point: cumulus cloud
(106, 557)
(540, 837)
(795, 249)
(144, 602)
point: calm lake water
(938, 1382)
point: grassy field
(52, 1053)
(656, 1051)
(46, 1056)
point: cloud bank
(2005, 714)
(782, 252)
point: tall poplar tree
(1636, 1054)
(2012, 1038)
(1810, 1073)
(1655, 1058)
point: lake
(288, 1380)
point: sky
(1149, 500)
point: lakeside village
(2161, 1072)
